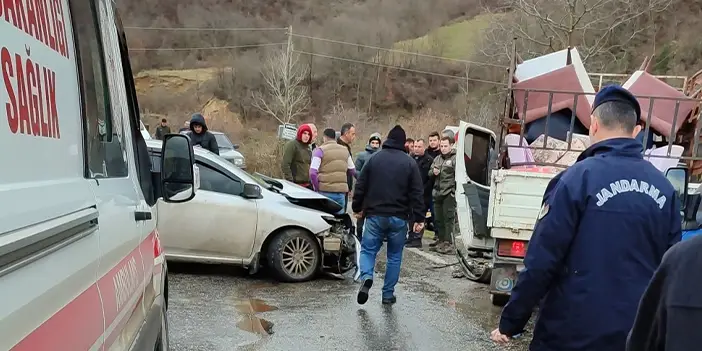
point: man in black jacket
(199, 136)
(346, 137)
(424, 161)
(389, 194)
(434, 140)
(670, 311)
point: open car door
(476, 150)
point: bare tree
(601, 29)
(287, 96)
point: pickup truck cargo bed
(515, 200)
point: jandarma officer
(604, 226)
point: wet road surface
(222, 308)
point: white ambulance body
(81, 266)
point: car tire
(499, 300)
(294, 255)
(162, 340)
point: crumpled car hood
(304, 197)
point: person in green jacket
(297, 157)
(443, 171)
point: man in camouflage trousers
(443, 170)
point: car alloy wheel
(298, 256)
(294, 255)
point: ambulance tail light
(512, 248)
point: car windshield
(223, 142)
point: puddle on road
(250, 322)
(253, 306)
(253, 324)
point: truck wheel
(499, 299)
(294, 255)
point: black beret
(617, 93)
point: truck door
(476, 149)
(121, 270)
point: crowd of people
(397, 186)
(331, 169)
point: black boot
(414, 243)
(414, 239)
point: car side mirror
(678, 178)
(251, 191)
(178, 178)
(235, 146)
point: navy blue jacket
(670, 312)
(605, 225)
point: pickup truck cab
(81, 264)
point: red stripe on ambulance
(79, 324)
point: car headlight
(238, 161)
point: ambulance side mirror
(178, 176)
(678, 178)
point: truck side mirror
(678, 178)
(177, 171)
(235, 146)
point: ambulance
(81, 264)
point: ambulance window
(105, 154)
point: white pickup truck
(501, 181)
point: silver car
(227, 150)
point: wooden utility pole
(288, 73)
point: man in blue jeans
(389, 193)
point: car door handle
(142, 216)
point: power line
(208, 47)
(397, 67)
(234, 29)
(207, 29)
(397, 51)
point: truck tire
(499, 300)
(294, 255)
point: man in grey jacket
(363, 156)
(361, 159)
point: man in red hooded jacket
(297, 157)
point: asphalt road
(222, 308)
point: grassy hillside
(457, 40)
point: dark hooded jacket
(604, 226)
(390, 184)
(206, 140)
(670, 312)
(363, 156)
